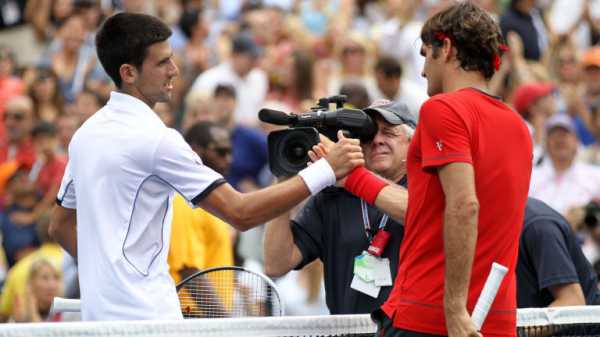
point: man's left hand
(460, 325)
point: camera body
(592, 214)
(288, 149)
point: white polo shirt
(124, 166)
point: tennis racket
(229, 292)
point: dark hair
(200, 133)
(357, 94)
(303, 67)
(189, 19)
(389, 66)
(224, 90)
(473, 32)
(44, 73)
(124, 38)
(43, 128)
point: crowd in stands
(238, 56)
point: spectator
(198, 106)
(46, 172)
(356, 93)
(46, 96)
(249, 157)
(523, 18)
(16, 280)
(591, 154)
(329, 226)
(194, 58)
(43, 284)
(45, 16)
(240, 72)
(552, 270)
(560, 180)
(66, 126)
(579, 103)
(390, 85)
(86, 104)
(71, 59)
(354, 55)
(536, 103)
(19, 238)
(16, 149)
(10, 85)
(293, 81)
(201, 240)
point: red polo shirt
(472, 127)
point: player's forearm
(460, 237)
(279, 246)
(393, 200)
(248, 210)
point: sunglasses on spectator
(18, 116)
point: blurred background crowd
(237, 56)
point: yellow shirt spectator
(199, 240)
(16, 279)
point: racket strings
(228, 293)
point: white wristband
(318, 176)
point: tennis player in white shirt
(113, 209)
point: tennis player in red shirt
(469, 165)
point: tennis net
(569, 321)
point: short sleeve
(179, 166)
(547, 248)
(66, 193)
(444, 136)
(307, 230)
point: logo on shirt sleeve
(439, 145)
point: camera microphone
(276, 117)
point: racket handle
(488, 294)
(60, 304)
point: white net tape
(336, 325)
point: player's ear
(128, 73)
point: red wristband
(364, 184)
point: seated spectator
(551, 269)
(391, 86)
(560, 180)
(46, 173)
(46, 96)
(16, 148)
(19, 238)
(43, 284)
(10, 85)
(536, 103)
(16, 280)
(242, 73)
(523, 18)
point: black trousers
(385, 328)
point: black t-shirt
(522, 24)
(549, 255)
(330, 227)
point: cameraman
(336, 226)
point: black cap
(395, 113)
(244, 43)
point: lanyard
(367, 223)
